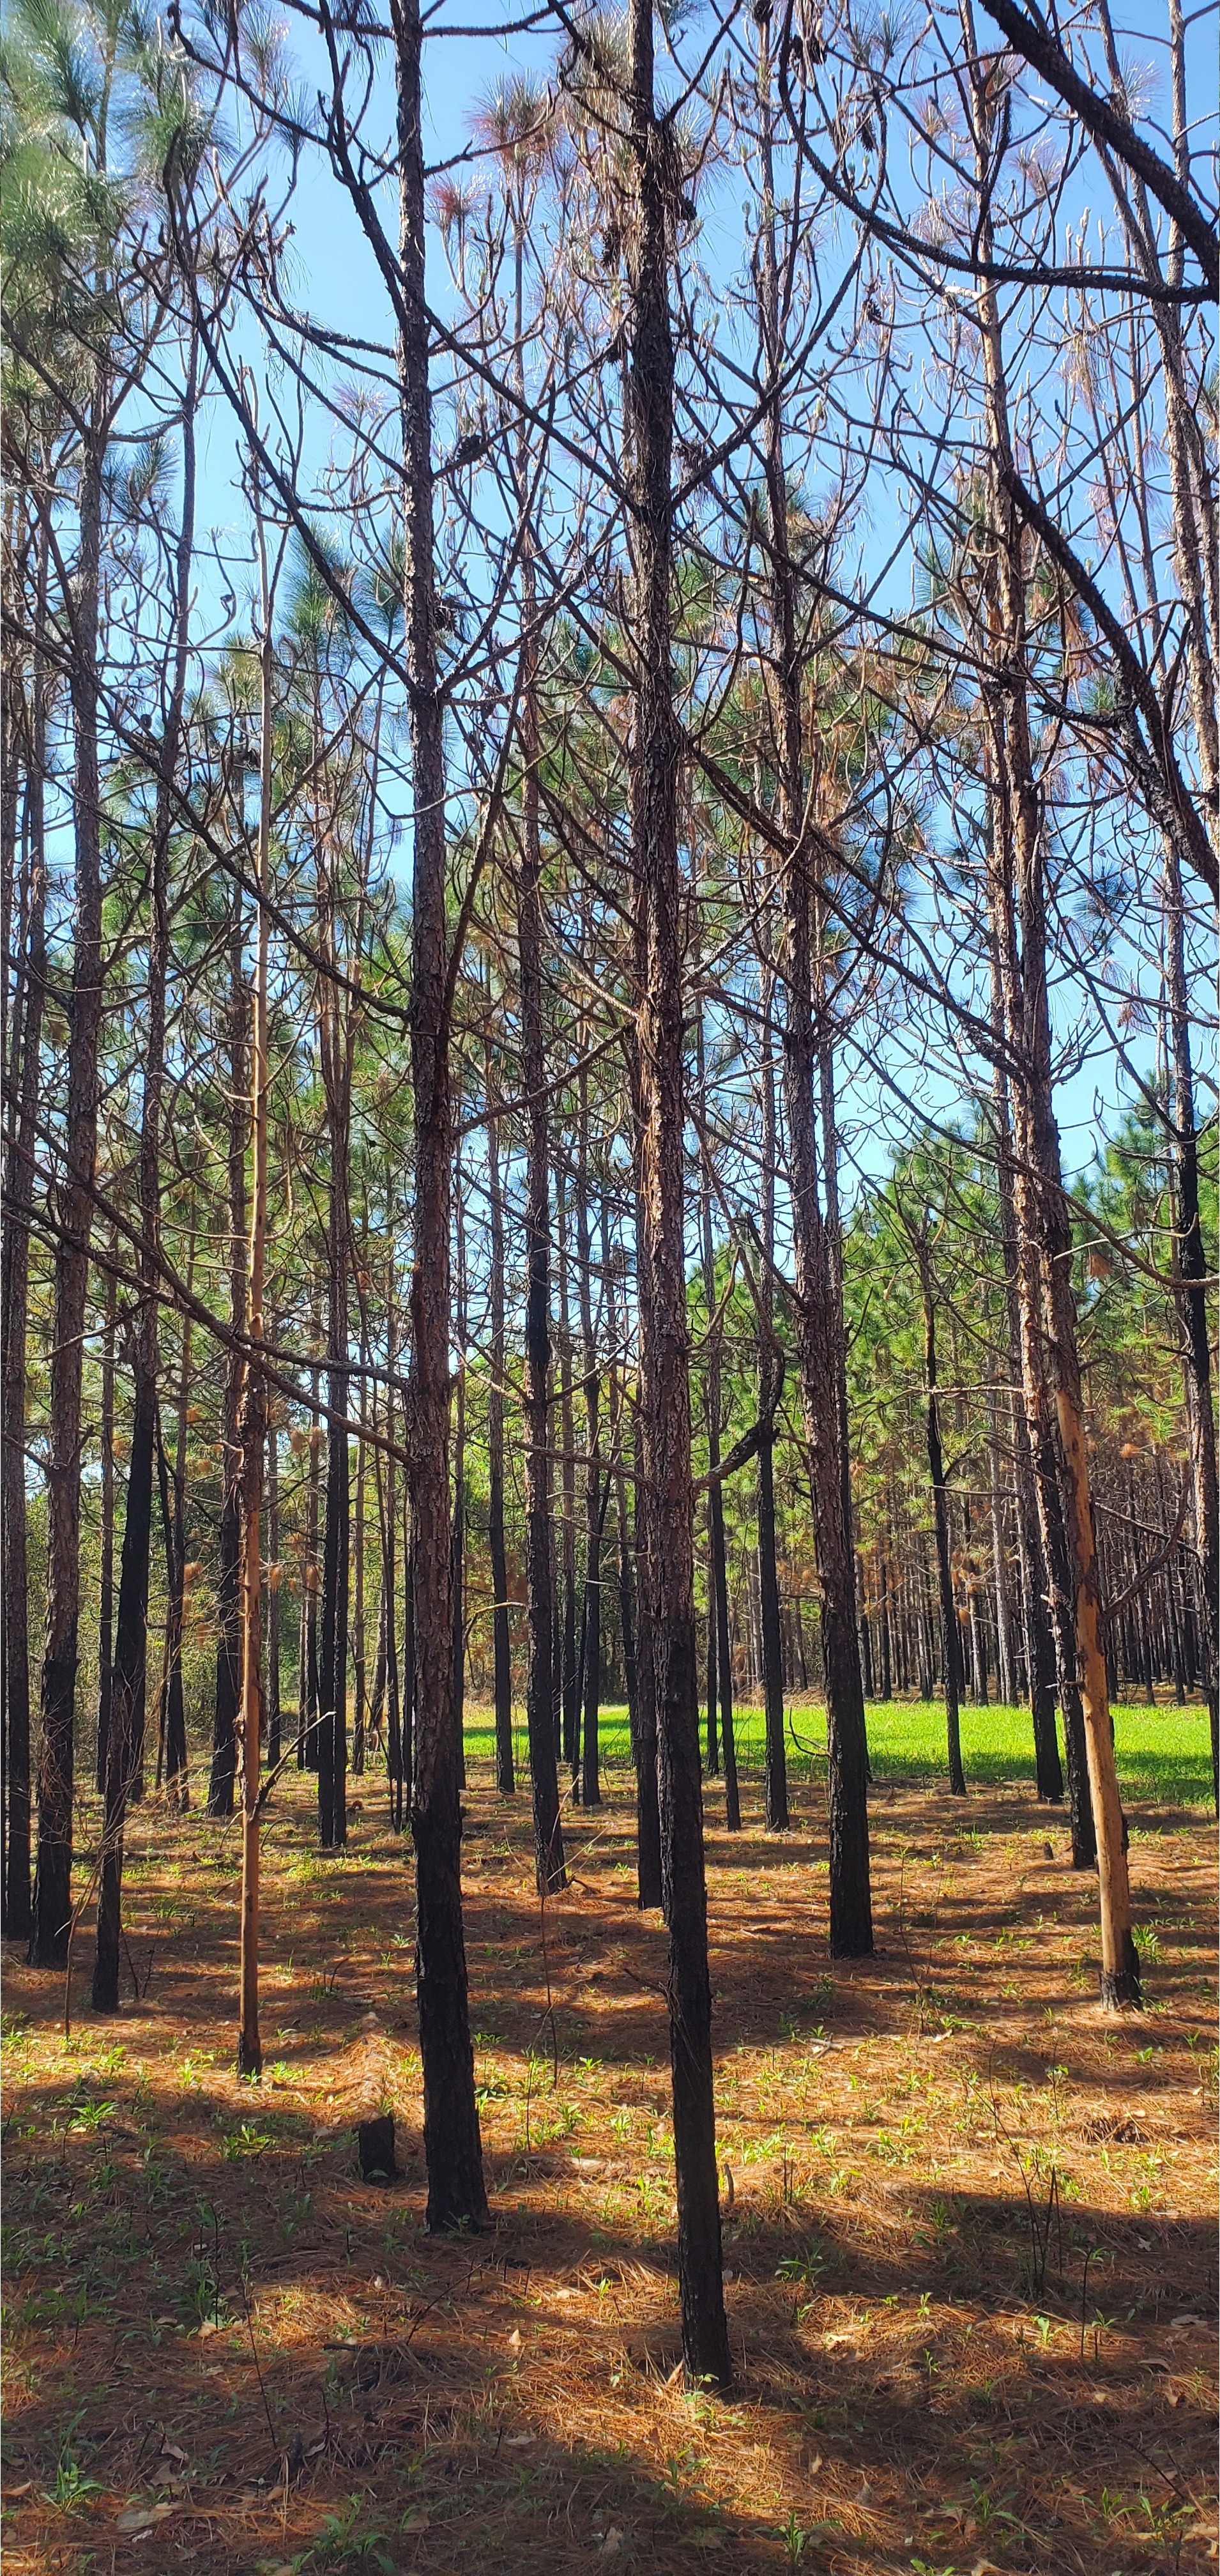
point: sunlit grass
(1163, 1753)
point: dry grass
(968, 2225)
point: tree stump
(375, 2141)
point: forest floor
(969, 2224)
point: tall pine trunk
(818, 1325)
(664, 1353)
(950, 1646)
(565, 1660)
(649, 1871)
(252, 1411)
(1005, 1662)
(125, 1730)
(52, 1905)
(359, 1569)
(497, 1550)
(834, 1250)
(591, 1628)
(336, 1552)
(335, 1052)
(452, 2148)
(25, 1037)
(1053, 1386)
(386, 1686)
(539, 1556)
(1190, 1279)
(775, 1762)
(1039, 1639)
(307, 1662)
(105, 1536)
(459, 1493)
(173, 1515)
(721, 1661)
(228, 1581)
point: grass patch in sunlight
(1163, 1753)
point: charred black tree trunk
(664, 1356)
(452, 2147)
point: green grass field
(1163, 1753)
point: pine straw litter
(969, 2224)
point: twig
(245, 2300)
(1039, 2227)
(1084, 2284)
(920, 1990)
